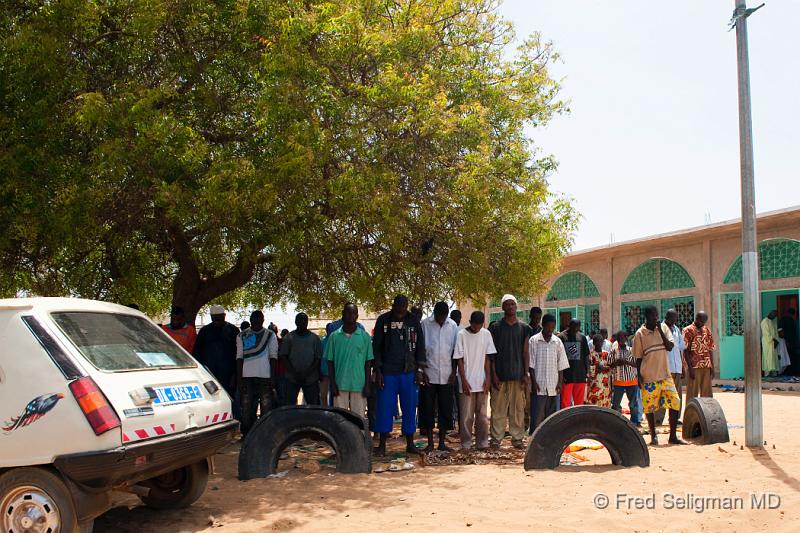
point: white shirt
(258, 365)
(675, 358)
(439, 344)
(606, 345)
(473, 349)
(547, 359)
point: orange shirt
(701, 346)
(185, 336)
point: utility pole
(753, 425)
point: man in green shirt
(348, 351)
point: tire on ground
(620, 437)
(704, 421)
(177, 489)
(344, 431)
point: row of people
(427, 364)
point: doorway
(786, 302)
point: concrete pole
(754, 427)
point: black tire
(619, 436)
(177, 489)
(48, 498)
(345, 432)
(704, 422)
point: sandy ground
(505, 497)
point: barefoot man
(651, 347)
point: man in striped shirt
(626, 377)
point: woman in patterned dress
(598, 389)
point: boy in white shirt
(473, 345)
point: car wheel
(35, 500)
(177, 489)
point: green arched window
(779, 258)
(657, 275)
(571, 286)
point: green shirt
(348, 355)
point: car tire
(177, 489)
(37, 492)
(620, 437)
(274, 432)
(704, 422)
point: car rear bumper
(136, 462)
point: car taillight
(94, 405)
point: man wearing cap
(440, 340)
(510, 378)
(180, 331)
(215, 348)
(256, 353)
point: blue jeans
(395, 385)
(633, 392)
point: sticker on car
(36, 409)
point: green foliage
(258, 151)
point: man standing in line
(301, 352)
(440, 340)
(626, 377)
(548, 362)
(215, 348)
(510, 379)
(455, 316)
(348, 351)
(535, 317)
(651, 346)
(474, 345)
(256, 353)
(535, 322)
(769, 343)
(399, 350)
(577, 348)
(606, 342)
(181, 332)
(676, 354)
(699, 352)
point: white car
(95, 397)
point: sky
(651, 142)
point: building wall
(706, 254)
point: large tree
(260, 151)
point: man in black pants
(440, 340)
(535, 317)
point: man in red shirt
(699, 351)
(181, 332)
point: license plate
(180, 394)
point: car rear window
(117, 342)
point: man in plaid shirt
(548, 361)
